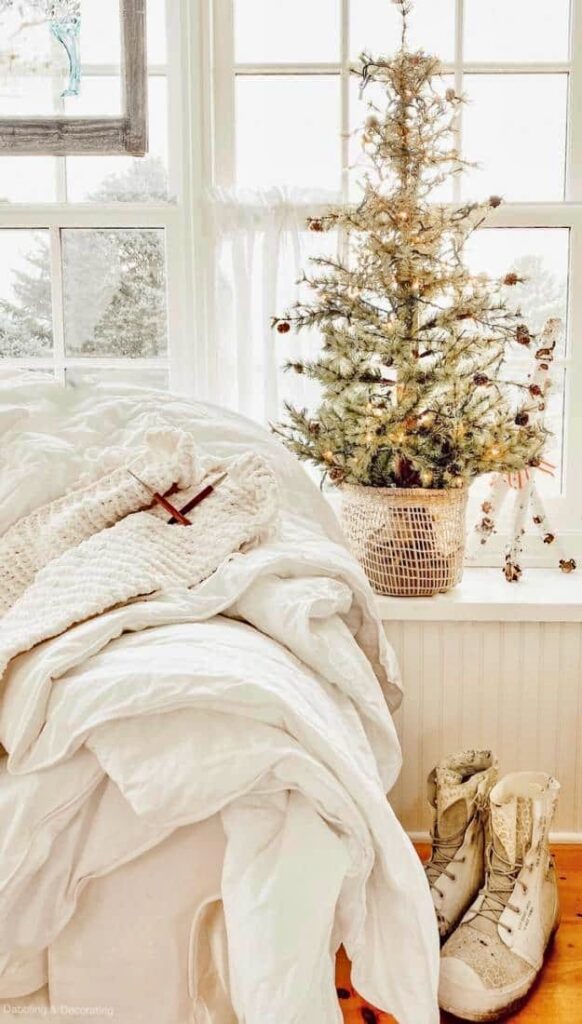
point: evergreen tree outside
(414, 346)
(540, 292)
(26, 322)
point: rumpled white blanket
(262, 694)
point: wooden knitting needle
(204, 493)
(177, 516)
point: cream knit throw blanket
(168, 458)
(67, 567)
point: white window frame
(565, 511)
(186, 357)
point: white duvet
(262, 694)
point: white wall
(513, 686)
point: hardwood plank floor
(557, 998)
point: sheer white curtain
(258, 246)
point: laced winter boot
(491, 962)
(458, 789)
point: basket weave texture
(410, 541)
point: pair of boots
(493, 882)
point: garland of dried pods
(528, 501)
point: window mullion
(345, 97)
(459, 45)
(224, 92)
(573, 407)
(60, 161)
(574, 148)
(57, 296)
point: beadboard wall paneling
(513, 686)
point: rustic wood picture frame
(105, 136)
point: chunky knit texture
(168, 458)
(141, 554)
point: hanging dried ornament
(524, 483)
(63, 18)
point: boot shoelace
(443, 851)
(496, 896)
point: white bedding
(140, 938)
(260, 694)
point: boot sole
(516, 1004)
(493, 1015)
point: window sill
(542, 595)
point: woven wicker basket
(410, 542)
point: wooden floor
(557, 998)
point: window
(93, 258)
(286, 104)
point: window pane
(28, 179)
(269, 32)
(157, 36)
(100, 35)
(143, 378)
(98, 96)
(540, 255)
(303, 345)
(119, 178)
(115, 293)
(25, 294)
(40, 95)
(29, 94)
(375, 25)
(514, 126)
(100, 31)
(518, 30)
(374, 98)
(33, 64)
(288, 130)
(552, 485)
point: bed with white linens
(193, 811)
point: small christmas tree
(414, 345)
